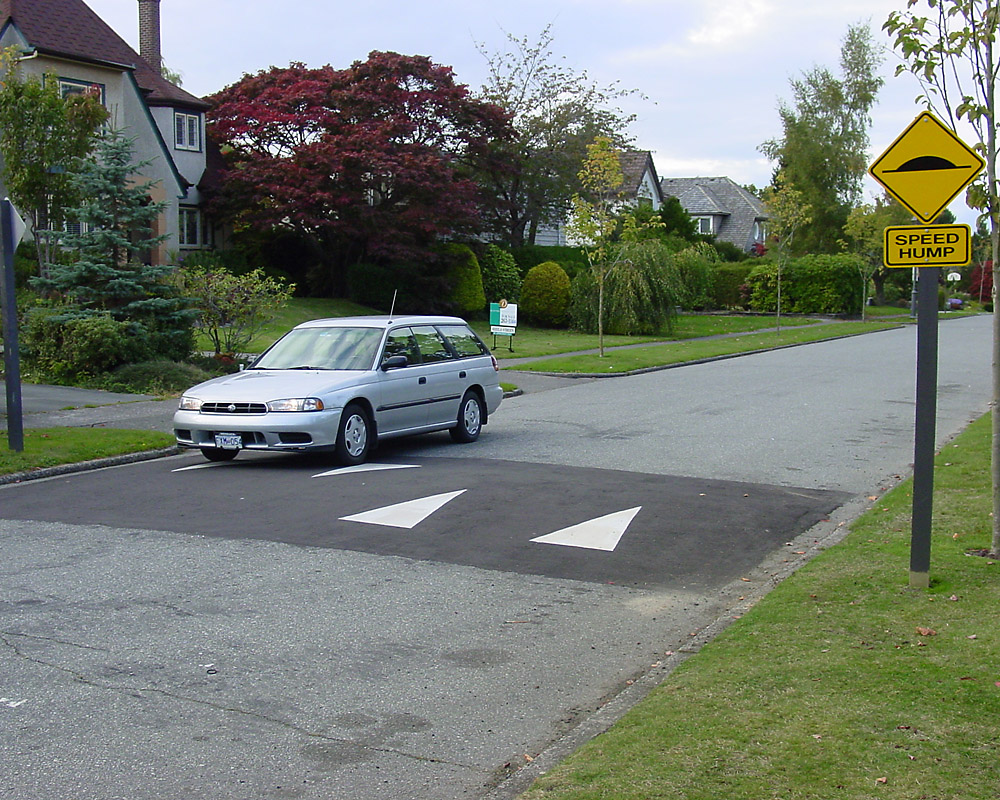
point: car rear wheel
(218, 454)
(470, 419)
(354, 436)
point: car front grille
(233, 408)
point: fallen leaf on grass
(926, 631)
(881, 780)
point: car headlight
(296, 404)
(189, 404)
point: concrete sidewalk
(46, 406)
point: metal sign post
(9, 237)
(925, 424)
(925, 169)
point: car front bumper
(298, 430)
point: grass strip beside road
(53, 447)
(842, 682)
(616, 361)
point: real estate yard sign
(503, 321)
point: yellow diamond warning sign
(927, 246)
(926, 167)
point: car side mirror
(394, 362)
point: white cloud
(731, 21)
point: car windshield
(323, 348)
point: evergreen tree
(107, 249)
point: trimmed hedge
(816, 284)
(730, 279)
(571, 259)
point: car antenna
(393, 307)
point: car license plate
(229, 441)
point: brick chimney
(149, 33)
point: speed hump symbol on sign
(926, 167)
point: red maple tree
(373, 163)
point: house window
(759, 232)
(187, 131)
(70, 86)
(195, 232)
(704, 225)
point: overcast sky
(713, 73)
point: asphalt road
(447, 626)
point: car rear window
(465, 342)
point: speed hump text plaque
(927, 246)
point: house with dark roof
(721, 208)
(67, 41)
(640, 186)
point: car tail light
(496, 366)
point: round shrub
(501, 277)
(154, 377)
(545, 295)
(61, 349)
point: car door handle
(422, 380)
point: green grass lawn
(655, 355)
(50, 447)
(532, 342)
(843, 682)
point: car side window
(400, 342)
(464, 341)
(432, 346)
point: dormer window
(704, 225)
(69, 86)
(187, 131)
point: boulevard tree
(556, 113)
(594, 218)
(823, 150)
(864, 232)
(41, 134)
(951, 50)
(788, 213)
(373, 163)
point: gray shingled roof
(70, 29)
(721, 197)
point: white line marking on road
(602, 533)
(206, 465)
(6, 701)
(364, 468)
(405, 515)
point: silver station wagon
(344, 384)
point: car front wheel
(470, 419)
(354, 437)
